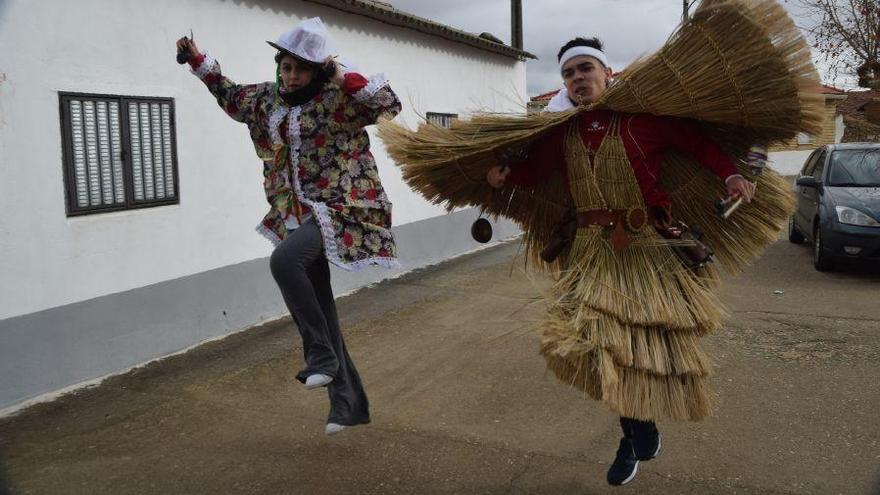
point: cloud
(629, 28)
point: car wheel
(794, 235)
(820, 258)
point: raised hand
(739, 187)
(186, 49)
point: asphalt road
(461, 403)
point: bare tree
(847, 34)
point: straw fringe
(632, 287)
(652, 350)
(744, 235)
(631, 392)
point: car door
(803, 216)
(811, 196)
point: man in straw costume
(630, 303)
(602, 155)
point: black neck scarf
(303, 95)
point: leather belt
(624, 222)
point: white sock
(317, 380)
(333, 428)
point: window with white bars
(119, 152)
(441, 119)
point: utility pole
(685, 9)
(516, 24)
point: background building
(788, 158)
(861, 116)
(129, 198)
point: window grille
(119, 152)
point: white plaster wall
(788, 162)
(126, 47)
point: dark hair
(281, 54)
(593, 42)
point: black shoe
(644, 436)
(625, 464)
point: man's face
(585, 78)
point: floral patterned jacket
(316, 156)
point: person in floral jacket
(326, 201)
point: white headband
(582, 50)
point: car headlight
(853, 216)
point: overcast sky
(629, 28)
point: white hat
(308, 40)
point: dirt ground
(461, 403)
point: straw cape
(625, 326)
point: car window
(809, 164)
(854, 168)
(820, 166)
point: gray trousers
(302, 273)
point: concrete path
(461, 403)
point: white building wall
(126, 47)
(788, 162)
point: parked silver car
(838, 204)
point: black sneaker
(644, 436)
(625, 464)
